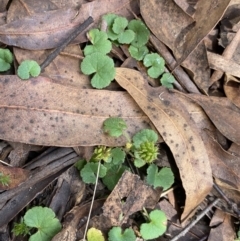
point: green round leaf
(119, 25)
(156, 227)
(163, 178)
(100, 42)
(126, 37)
(44, 220)
(145, 135)
(94, 234)
(138, 53)
(109, 18)
(156, 64)
(118, 156)
(89, 172)
(101, 66)
(114, 126)
(6, 58)
(115, 234)
(28, 68)
(141, 31)
(167, 80)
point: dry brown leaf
(137, 195)
(44, 113)
(232, 89)
(16, 176)
(214, 9)
(222, 113)
(179, 132)
(224, 231)
(64, 69)
(218, 62)
(48, 29)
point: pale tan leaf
(178, 131)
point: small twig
(199, 217)
(228, 201)
(5, 163)
(63, 45)
(93, 197)
(227, 54)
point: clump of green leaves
(28, 68)
(4, 179)
(41, 218)
(116, 234)
(6, 59)
(156, 226)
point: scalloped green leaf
(167, 80)
(116, 234)
(94, 234)
(163, 178)
(155, 64)
(109, 18)
(114, 126)
(28, 68)
(102, 68)
(6, 59)
(44, 220)
(156, 227)
(100, 42)
(89, 172)
(138, 53)
(118, 156)
(145, 135)
(141, 33)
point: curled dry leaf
(178, 131)
(44, 113)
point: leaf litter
(60, 108)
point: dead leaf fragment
(178, 131)
(137, 195)
(44, 113)
(16, 176)
(222, 113)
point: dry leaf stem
(64, 44)
(227, 54)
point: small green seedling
(138, 53)
(114, 126)
(41, 218)
(238, 236)
(28, 68)
(155, 63)
(102, 68)
(156, 227)
(163, 178)
(21, 229)
(100, 42)
(94, 234)
(116, 234)
(4, 179)
(109, 19)
(167, 80)
(6, 59)
(141, 33)
(124, 36)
